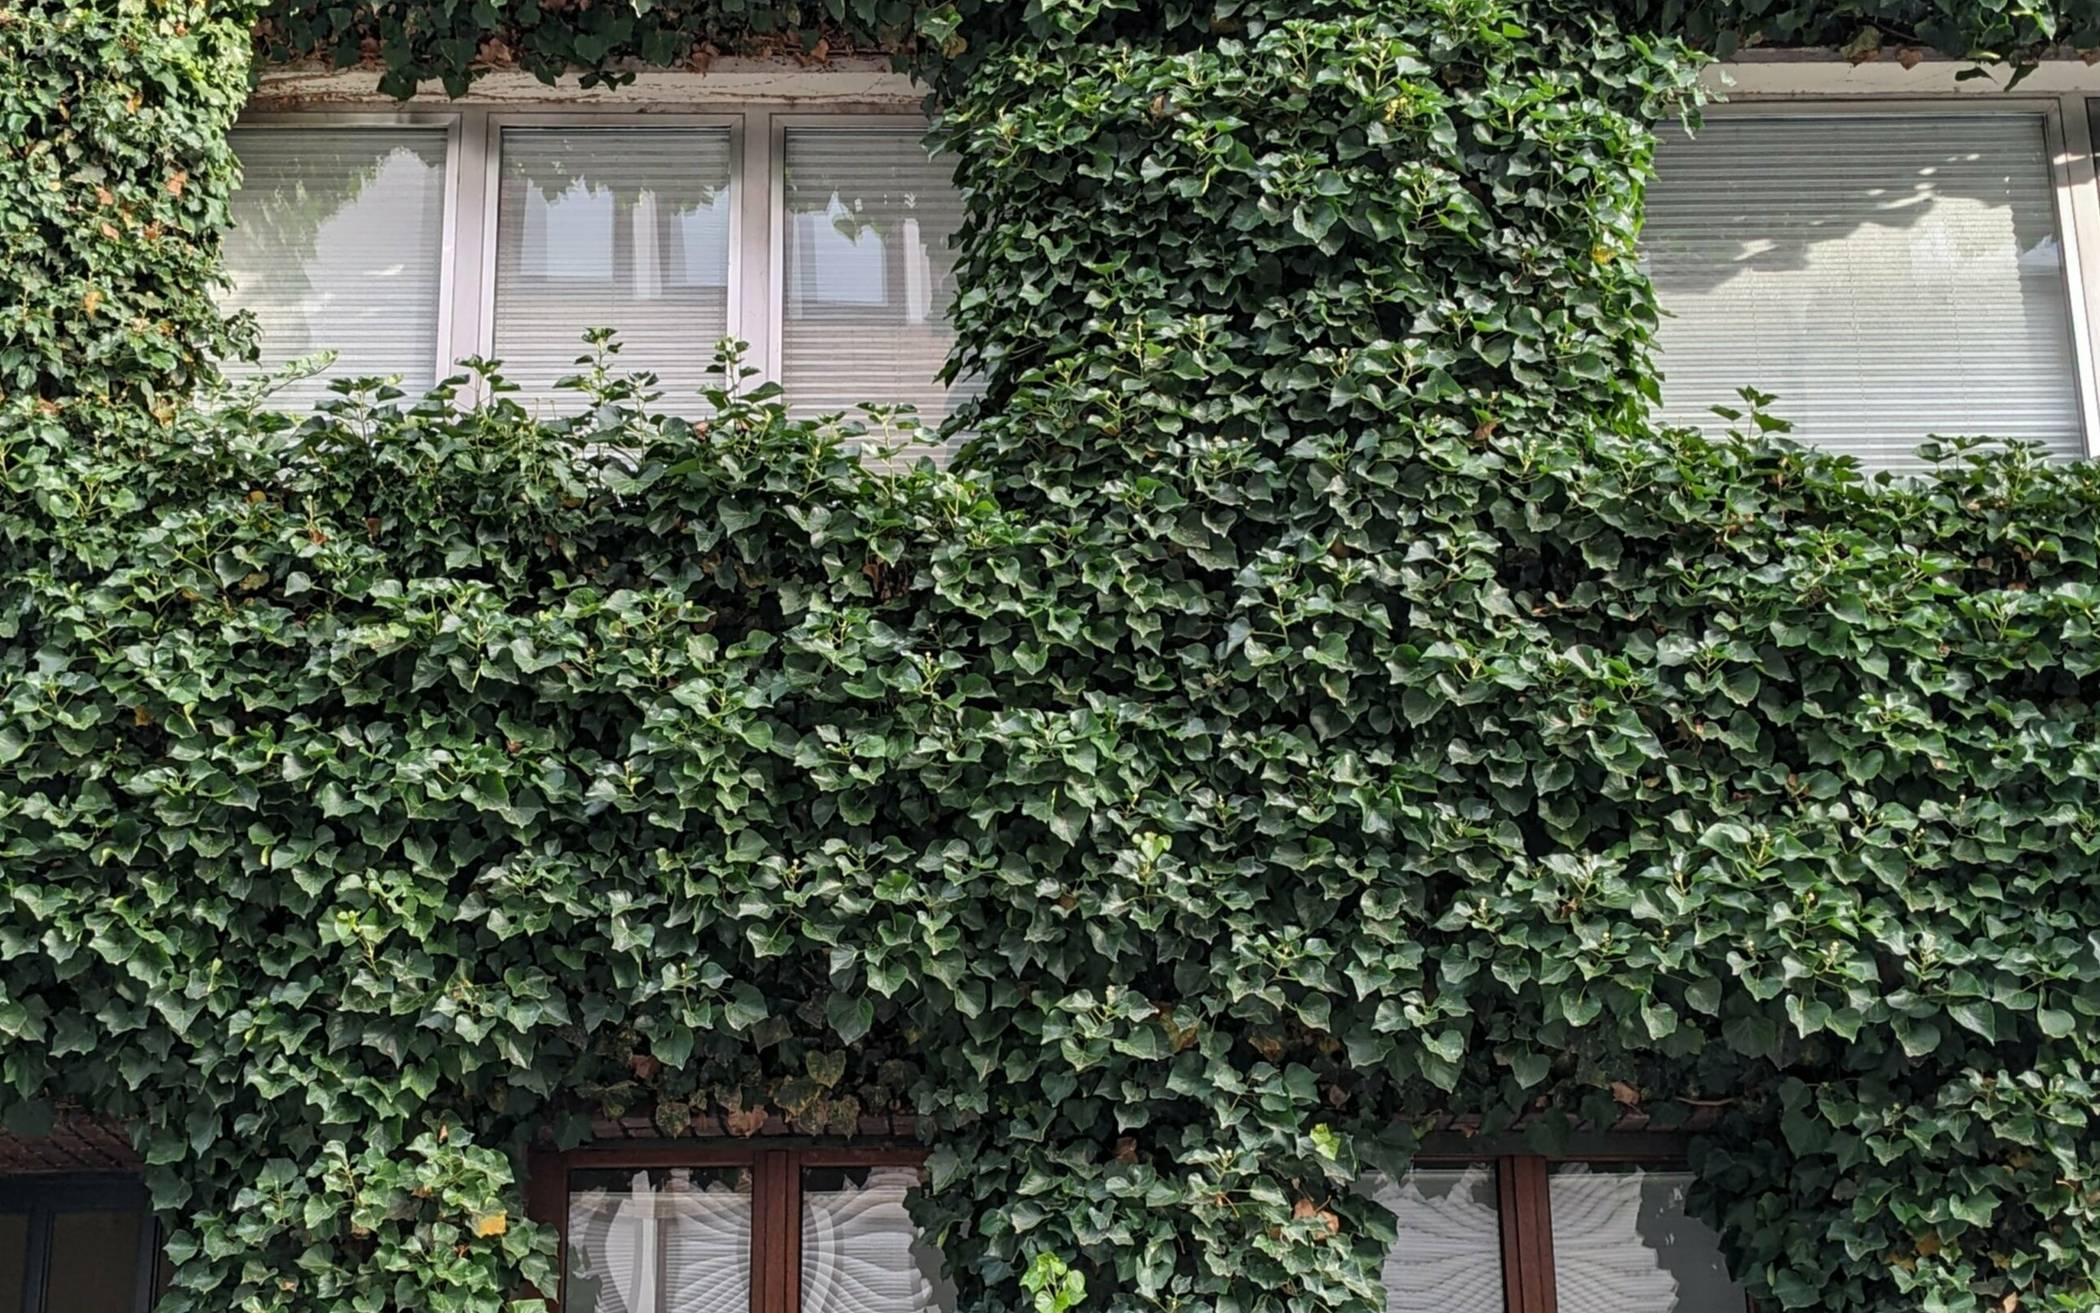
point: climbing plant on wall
(1317, 703)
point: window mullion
(757, 211)
(1527, 1235)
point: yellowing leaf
(494, 1224)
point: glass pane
(14, 1260)
(623, 228)
(1448, 1256)
(94, 1262)
(1623, 1244)
(868, 273)
(1889, 277)
(660, 1240)
(860, 1251)
(337, 242)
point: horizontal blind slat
(1888, 277)
(337, 241)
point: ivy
(1317, 703)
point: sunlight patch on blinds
(1622, 1243)
(628, 228)
(1888, 277)
(337, 241)
(860, 1251)
(1448, 1255)
(662, 1240)
(868, 276)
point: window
(1522, 1235)
(627, 228)
(737, 1231)
(75, 1245)
(824, 241)
(868, 275)
(337, 242)
(1888, 275)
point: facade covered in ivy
(1440, 674)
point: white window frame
(448, 254)
(757, 100)
(1816, 84)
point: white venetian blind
(659, 1241)
(860, 1251)
(338, 243)
(627, 228)
(1622, 1243)
(1888, 277)
(868, 276)
(1448, 1256)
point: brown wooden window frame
(776, 1198)
(1523, 1200)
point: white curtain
(337, 242)
(1448, 1256)
(1888, 276)
(1622, 1243)
(868, 273)
(626, 228)
(668, 1250)
(861, 1253)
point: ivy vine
(1318, 702)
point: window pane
(868, 274)
(1888, 277)
(660, 1240)
(94, 1262)
(1623, 1244)
(14, 1260)
(860, 1251)
(626, 228)
(1448, 1257)
(337, 242)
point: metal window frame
(44, 1199)
(776, 1169)
(2068, 143)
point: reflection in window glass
(626, 228)
(860, 1251)
(14, 1260)
(1622, 1243)
(94, 1262)
(1889, 277)
(868, 273)
(660, 1240)
(337, 243)
(1447, 1257)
